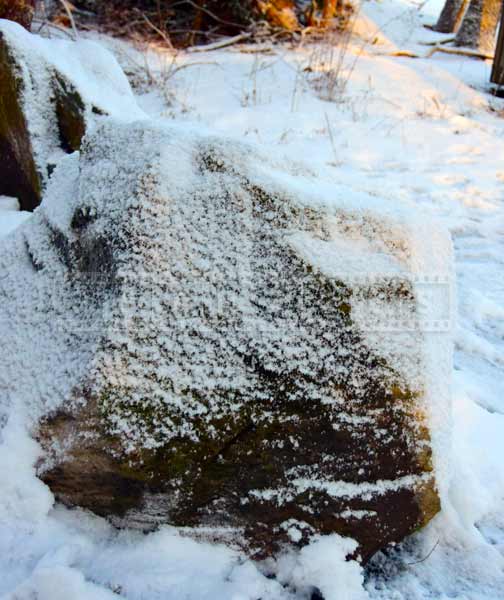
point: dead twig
(336, 162)
(456, 51)
(257, 50)
(460, 52)
(417, 562)
(68, 11)
(221, 44)
(405, 53)
(175, 70)
(446, 41)
(165, 36)
(49, 25)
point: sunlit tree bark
(480, 25)
(498, 65)
(451, 16)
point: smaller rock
(53, 91)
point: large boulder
(203, 343)
(52, 92)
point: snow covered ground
(420, 132)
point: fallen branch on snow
(68, 11)
(438, 43)
(460, 52)
(438, 48)
(221, 44)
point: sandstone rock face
(201, 350)
(18, 173)
(49, 99)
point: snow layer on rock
(88, 66)
(373, 241)
(165, 223)
(58, 355)
(170, 225)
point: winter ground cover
(422, 133)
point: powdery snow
(422, 134)
(10, 215)
(209, 236)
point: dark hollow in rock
(70, 110)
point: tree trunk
(20, 11)
(451, 16)
(498, 64)
(479, 26)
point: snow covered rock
(52, 91)
(196, 336)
